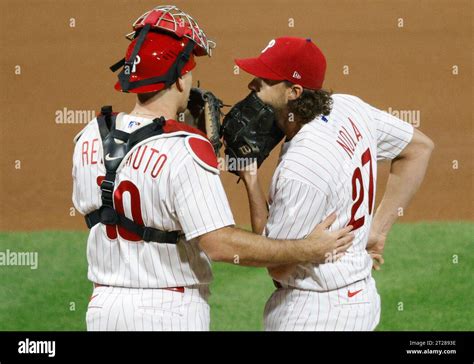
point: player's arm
(407, 171)
(233, 245)
(202, 209)
(257, 201)
(259, 216)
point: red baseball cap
(297, 60)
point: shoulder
(173, 126)
(195, 144)
(352, 102)
(193, 150)
(202, 152)
(90, 127)
(349, 101)
(346, 98)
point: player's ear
(180, 84)
(294, 91)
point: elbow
(214, 247)
(419, 149)
(211, 250)
(422, 148)
(427, 148)
(428, 145)
(216, 255)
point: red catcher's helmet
(164, 43)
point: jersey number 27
(358, 190)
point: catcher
(327, 163)
(149, 188)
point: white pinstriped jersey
(162, 185)
(330, 165)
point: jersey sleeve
(199, 200)
(295, 210)
(393, 134)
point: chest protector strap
(116, 144)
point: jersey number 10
(358, 191)
(132, 190)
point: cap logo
(296, 75)
(135, 62)
(270, 44)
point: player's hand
(329, 246)
(375, 247)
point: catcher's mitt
(204, 113)
(250, 133)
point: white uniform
(162, 184)
(330, 165)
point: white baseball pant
(352, 308)
(139, 309)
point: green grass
(419, 274)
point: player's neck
(152, 113)
(291, 128)
(156, 107)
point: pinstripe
(196, 319)
(117, 318)
(110, 311)
(218, 206)
(337, 319)
(322, 181)
(290, 309)
(132, 313)
(328, 307)
(308, 318)
(122, 299)
(289, 228)
(303, 307)
(355, 320)
(208, 210)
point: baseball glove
(204, 113)
(250, 133)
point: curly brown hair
(310, 104)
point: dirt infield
(410, 58)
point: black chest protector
(114, 152)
